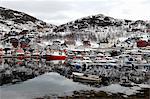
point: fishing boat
(55, 55)
(86, 78)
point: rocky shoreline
(144, 94)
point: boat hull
(79, 77)
(55, 57)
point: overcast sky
(61, 11)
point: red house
(142, 43)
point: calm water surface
(47, 84)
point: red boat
(56, 55)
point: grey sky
(61, 11)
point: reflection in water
(50, 83)
(13, 70)
(13, 62)
(35, 61)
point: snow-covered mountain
(102, 21)
(101, 26)
(11, 20)
(95, 28)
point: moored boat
(55, 55)
(86, 78)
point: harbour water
(38, 78)
(48, 84)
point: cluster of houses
(22, 41)
(112, 58)
(28, 41)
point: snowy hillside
(102, 27)
(99, 28)
(17, 21)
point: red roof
(20, 51)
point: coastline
(143, 94)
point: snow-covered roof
(122, 39)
